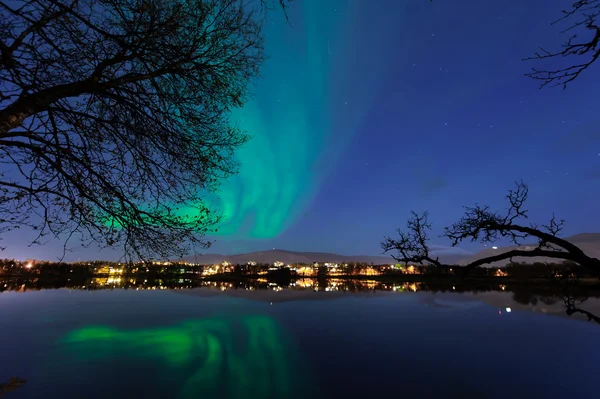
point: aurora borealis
(367, 110)
(311, 102)
(291, 120)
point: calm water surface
(202, 343)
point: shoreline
(445, 283)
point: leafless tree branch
(412, 246)
(482, 225)
(114, 117)
(584, 15)
(572, 306)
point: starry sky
(368, 110)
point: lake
(209, 343)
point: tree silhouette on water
(572, 306)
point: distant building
(500, 273)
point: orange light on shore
(29, 265)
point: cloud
(448, 249)
(432, 185)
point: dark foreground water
(202, 343)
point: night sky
(367, 110)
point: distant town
(109, 272)
(526, 281)
(11, 267)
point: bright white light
(29, 265)
(508, 310)
(494, 247)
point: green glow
(290, 122)
(221, 364)
(311, 100)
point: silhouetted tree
(582, 18)
(322, 271)
(114, 116)
(12, 384)
(283, 276)
(481, 224)
(573, 309)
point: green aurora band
(290, 121)
(222, 365)
(315, 92)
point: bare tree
(582, 18)
(573, 306)
(281, 4)
(412, 246)
(481, 224)
(114, 117)
(12, 384)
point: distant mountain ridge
(288, 257)
(588, 242)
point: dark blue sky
(454, 122)
(446, 118)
